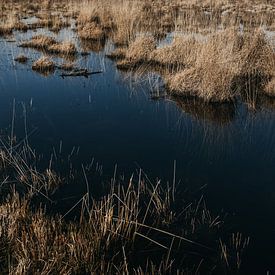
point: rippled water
(108, 118)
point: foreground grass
(135, 228)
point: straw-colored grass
(6, 30)
(181, 53)
(67, 48)
(43, 64)
(50, 45)
(139, 52)
(115, 233)
(39, 42)
(226, 65)
(91, 31)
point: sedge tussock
(181, 52)
(91, 31)
(226, 64)
(39, 42)
(6, 30)
(43, 64)
(139, 51)
(67, 48)
(50, 45)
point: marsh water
(109, 119)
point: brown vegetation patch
(182, 52)
(226, 65)
(43, 64)
(6, 30)
(139, 52)
(20, 26)
(39, 42)
(66, 48)
(91, 31)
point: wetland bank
(137, 137)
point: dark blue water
(108, 118)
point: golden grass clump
(226, 65)
(181, 52)
(141, 48)
(39, 42)
(20, 26)
(139, 52)
(91, 31)
(6, 30)
(67, 48)
(211, 75)
(43, 64)
(257, 55)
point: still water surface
(230, 152)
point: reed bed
(114, 233)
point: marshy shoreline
(136, 227)
(208, 58)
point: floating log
(81, 72)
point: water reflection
(218, 113)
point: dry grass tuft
(50, 45)
(182, 52)
(39, 42)
(109, 234)
(141, 49)
(43, 64)
(226, 65)
(139, 52)
(91, 31)
(66, 48)
(6, 30)
(20, 26)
